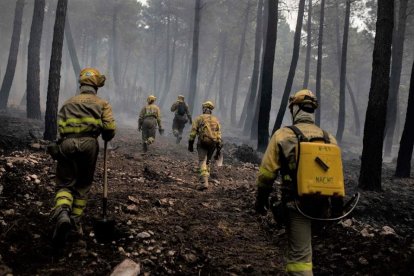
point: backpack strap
(302, 138)
(299, 134)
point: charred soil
(164, 223)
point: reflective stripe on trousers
(299, 257)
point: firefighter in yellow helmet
(280, 157)
(149, 118)
(207, 128)
(181, 117)
(81, 120)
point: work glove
(161, 131)
(218, 150)
(262, 200)
(190, 145)
(279, 210)
(108, 135)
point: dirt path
(171, 228)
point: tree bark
(223, 46)
(348, 85)
(194, 58)
(396, 66)
(33, 62)
(308, 46)
(54, 72)
(248, 113)
(212, 78)
(405, 152)
(292, 69)
(319, 65)
(239, 62)
(371, 160)
(14, 50)
(72, 49)
(267, 76)
(115, 60)
(342, 80)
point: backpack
(318, 175)
(181, 109)
(209, 130)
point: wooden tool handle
(105, 187)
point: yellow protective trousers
(205, 152)
(74, 173)
(299, 255)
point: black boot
(62, 228)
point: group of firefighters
(85, 116)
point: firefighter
(149, 118)
(181, 117)
(280, 157)
(207, 128)
(81, 120)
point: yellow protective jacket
(87, 114)
(282, 148)
(150, 110)
(198, 128)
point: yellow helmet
(208, 104)
(91, 76)
(151, 99)
(180, 98)
(304, 96)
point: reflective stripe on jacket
(86, 113)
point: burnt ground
(169, 227)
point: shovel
(104, 228)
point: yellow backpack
(318, 166)
(209, 130)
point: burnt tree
(14, 50)
(342, 79)
(248, 113)
(72, 49)
(396, 65)
(309, 45)
(33, 62)
(319, 64)
(267, 76)
(407, 139)
(292, 69)
(54, 72)
(371, 160)
(194, 56)
(239, 62)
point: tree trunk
(33, 62)
(342, 80)
(267, 76)
(194, 58)
(308, 46)
(348, 85)
(212, 78)
(14, 50)
(154, 59)
(407, 139)
(72, 49)
(54, 72)
(396, 65)
(371, 160)
(223, 46)
(247, 113)
(239, 62)
(292, 69)
(319, 64)
(115, 60)
(171, 62)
